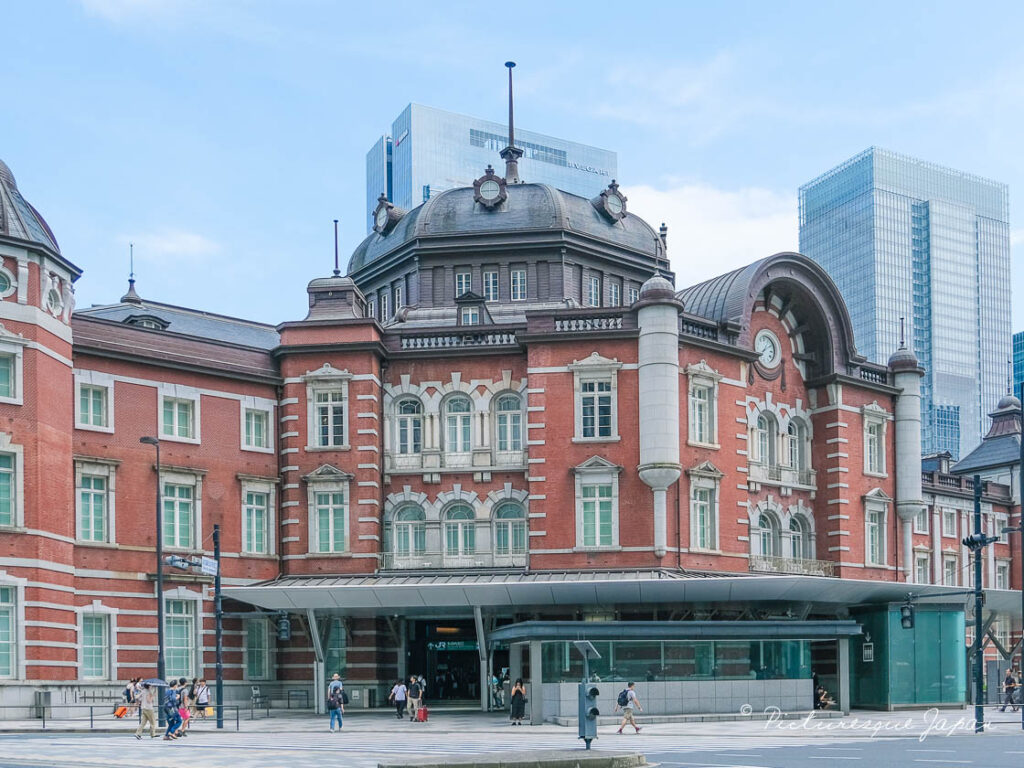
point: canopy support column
(481, 647)
(536, 686)
(843, 657)
(318, 664)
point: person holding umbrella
(147, 711)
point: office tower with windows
(1018, 361)
(431, 150)
(903, 238)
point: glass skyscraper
(1018, 361)
(430, 150)
(906, 238)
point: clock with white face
(614, 203)
(490, 190)
(768, 349)
(382, 217)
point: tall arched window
(409, 427)
(459, 531)
(509, 530)
(764, 436)
(509, 423)
(409, 531)
(796, 451)
(768, 535)
(800, 538)
(458, 420)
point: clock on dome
(611, 202)
(385, 215)
(768, 349)
(490, 190)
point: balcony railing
(795, 565)
(411, 561)
(595, 323)
(762, 473)
(964, 483)
(459, 340)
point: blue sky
(222, 136)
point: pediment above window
(706, 469)
(327, 371)
(327, 473)
(878, 495)
(596, 464)
(703, 370)
(595, 363)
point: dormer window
(471, 309)
(469, 316)
(147, 321)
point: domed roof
(903, 360)
(529, 207)
(18, 219)
(1007, 401)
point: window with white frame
(331, 517)
(178, 418)
(950, 570)
(874, 535)
(874, 440)
(93, 405)
(94, 497)
(768, 535)
(508, 419)
(459, 530)
(409, 427)
(703, 512)
(399, 297)
(594, 292)
(801, 543)
(11, 372)
(257, 649)
(949, 523)
(330, 418)
(614, 294)
(458, 415)
(95, 664)
(1002, 574)
(11, 493)
(509, 530)
(371, 307)
(491, 285)
(597, 504)
(385, 311)
(796, 445)
(922, 568)
(463, 283)
(634, 295)
(517, 284)
(921, 524)
(595, 385)
(408, 531)
(179, 637)
(469, 316)
(701, 430)
(257, 428)
(763, 439)
(1002, 521)
(255, 522)
(179, 518)
(327, 408)
(8, 632)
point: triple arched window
(776, 449)
(455, 537)
(775, 537)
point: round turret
(1007, 402)
(903, 360)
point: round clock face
(767, 347)
(382, 216)
(490, 190)
(53, 301)
(614, 203)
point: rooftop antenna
(511, 153)
(1009, 376)
(903, 341)
(131, 297)
(337, 272)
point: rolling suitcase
(422, 714)
(120, 711)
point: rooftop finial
(903, 341)
(511, 153)
(131, 297)
(337, 272)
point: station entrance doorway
(447, 654)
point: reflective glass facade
(1018, 361)
(906, 238)
(430, 150)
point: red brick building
(504, 418)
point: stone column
(536, 685)
(936, 545)
(909, 501)
(843, 657)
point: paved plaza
(878, 739)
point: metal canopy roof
(675, 630)
(460, 592)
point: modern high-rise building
(903, 238)
(1018, 361)
(431, 150)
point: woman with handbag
(202, 698)
(517, 702)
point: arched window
(459, 531)
(796, 442)
(509, 423)
(800, 538)
(409, 531)
(458, 418)
(409, 427)
(509, 530)
(765, 434)
(768, 535)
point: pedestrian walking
(1009, 687)
(415, 697)
(147, 711)
(171, 702)
(202, 697)
(184, 702)
(398, 695)
(336, 700)
(517, 702)
(626, 701)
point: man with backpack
(626, 701)
(336, 700)
(171, 703)
(415, 694)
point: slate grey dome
(1007, 401)
(658, 288)
(903, 360)
(18, 219)
(536, 208)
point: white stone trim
(265, 405)
(99, 380)
(327, 479)
(251, 484)
(106, 468)
(597, 471)
(326, 378)
(179, 392)
(595, 368)
(96, 608)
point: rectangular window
(8, 363)
(95, 647)
(634, 296)
(596, 405)
(470, 316)
(7, 489)
(597, 515)
(517, 278)
(873, 448)
(614, 295)
(92, 508)
(700, 414)
(179, 418)
(703, 501)
(463, 283)
(949, 523)
(922, 568)
(371, 308)
(1002, 575)
(256, 433)
(330, 418)
(178, 515)
(875, 537)
(399, 298)
(254, 513)
(594, 294)
(921, 520)
(385, 315)
(179, 637)
(950, 571)
(491, 286)
(330, 516)
(92, 406)
(8, 633)
(257, 649)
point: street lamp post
(160, 670)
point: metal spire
(903, 341)
(131, 297)
(337, 272)
(511, 153)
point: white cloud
(172, 243)
(712, 231)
